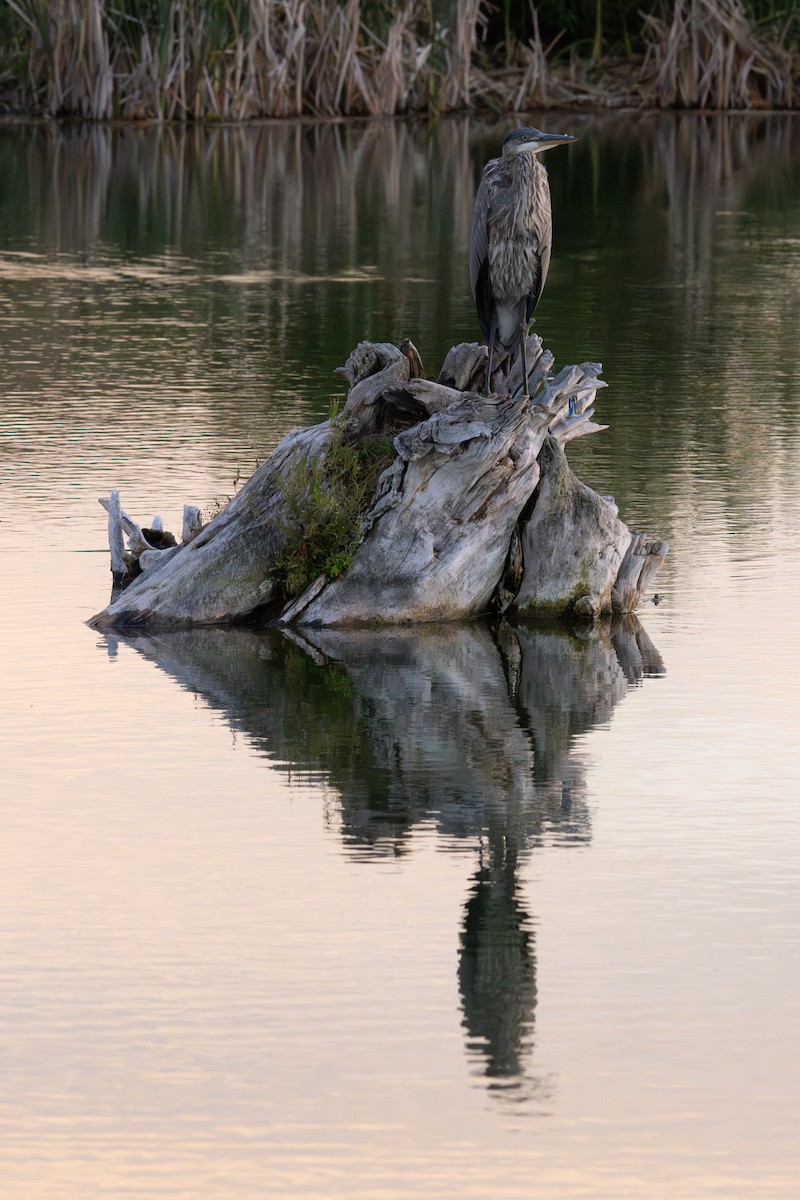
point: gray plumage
(511, 240)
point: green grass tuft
(325, 500)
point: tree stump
(475, 510)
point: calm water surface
(452, 912)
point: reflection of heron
(497, 965)
(512, 235)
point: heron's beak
(548, 140)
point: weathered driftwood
(222, 574)
(638, 568)
(478, 510)
(572, 544)
(192, 522)
(116, 541)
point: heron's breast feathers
(519, 231)
(515, 268)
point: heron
(511, 239)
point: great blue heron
(512, 234)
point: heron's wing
(479, 235)
(479, 254)
(543, 255)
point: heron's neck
(526, 169)
(529, 192)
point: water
(403, 914)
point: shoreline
(478, 114)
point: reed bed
(708, 56)
(252, 58)
(206, 60)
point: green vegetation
(238, 59)
(325, 501)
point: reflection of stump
(464, 726)
(476, 509)
(398, 721)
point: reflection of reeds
(389, 198)
(231, 229)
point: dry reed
(262, 58)
(244, 59)
(710, 57)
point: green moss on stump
(325, 501)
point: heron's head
(533, 141)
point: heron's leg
(524, 328)
(487, 389)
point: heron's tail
(509, 325)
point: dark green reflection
(218, 277)
(470, 728)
